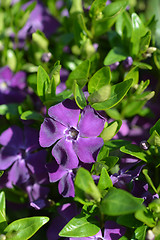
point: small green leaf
(55, 79)
(31, 115)
(144, 42)
(142, 65)
(154, 139)
(76, 6)
(146, 216)
(129, 221)
(116, 144)
(85, 186)
(116, 54)
(110, 131)
(24, 228)
(2, 207)
(140, 233)
(135, 151)
(83, 225)
(118, 92)
(101, 78)
(80, 74)
(40, 40)
(156, 127)
(104, 181)
(119, 202)
(43, 82)
(79, 96)
(133, 74)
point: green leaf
(146, 216)
(118, 92)
(83, 225)
(144, 42)
(55, 79)
(109, 17)
(82, 24)
(97, 7)
(79, 96)
(140, 233)
(149, 180)
(119, 202)
(116, 144)
(58, 98)
(101, 78)
(43, 82)
(154, 139)
(24, 228)
(104, 181)
(85, 187)
(155, 127)
(135, 151)
(129, 221)
(116, 54)
(142, 65)
(138, 31)
(110, 131)
(100, 95)
(11, 60)
(76, 6)
(40, 40)
(80, 74)
(2, 207)
(133, 74)
(31, 115)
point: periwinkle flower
(74, 139)
(19, 153)
(12, 86)
(127, 63)
(113, 66)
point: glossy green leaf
(116, 144)
(156, 127)
(140, 233)
(142, 65)
(79, 96)
(133, 74)
(116, 54)
(118, 92)
(146, 216)
(40, 40)
(82, 24)
(107, 162)
(138, 31)
(144, 42)
(119, 202)
(55, 79)
(80, 74)
(135, 151)
(2, 207)
(104, 181)
(11, 59)
(101, 78)
(83, 225)
(24, 228)
(43, 82)
(85, 187)
(31, 115)
(76, 6)
(97, 7)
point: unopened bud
(150, 235)
(46, 57)
(144, 145)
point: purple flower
(12, 86)
(112, 231)
(74, 138)
(19, 153)
(114, 66)
(127, 63)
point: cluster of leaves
(119, 94)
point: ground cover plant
(80, 119)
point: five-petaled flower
(73, 139)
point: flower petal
(66, 113)
(8, 155)
(87, 148)
(113, 230)
(31, 138)
(64, 154)
(50, 132)
(55, 171)
(18, 80)
(90, 124)
(12, 136)
(66, 185)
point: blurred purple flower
(75, 138)
(63, 76)
(39, 19)
(114, 66)
(12, 86)
(112, 231)
(19, 153)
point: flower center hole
(73, 133)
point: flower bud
(144, 145)
(150, 235)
